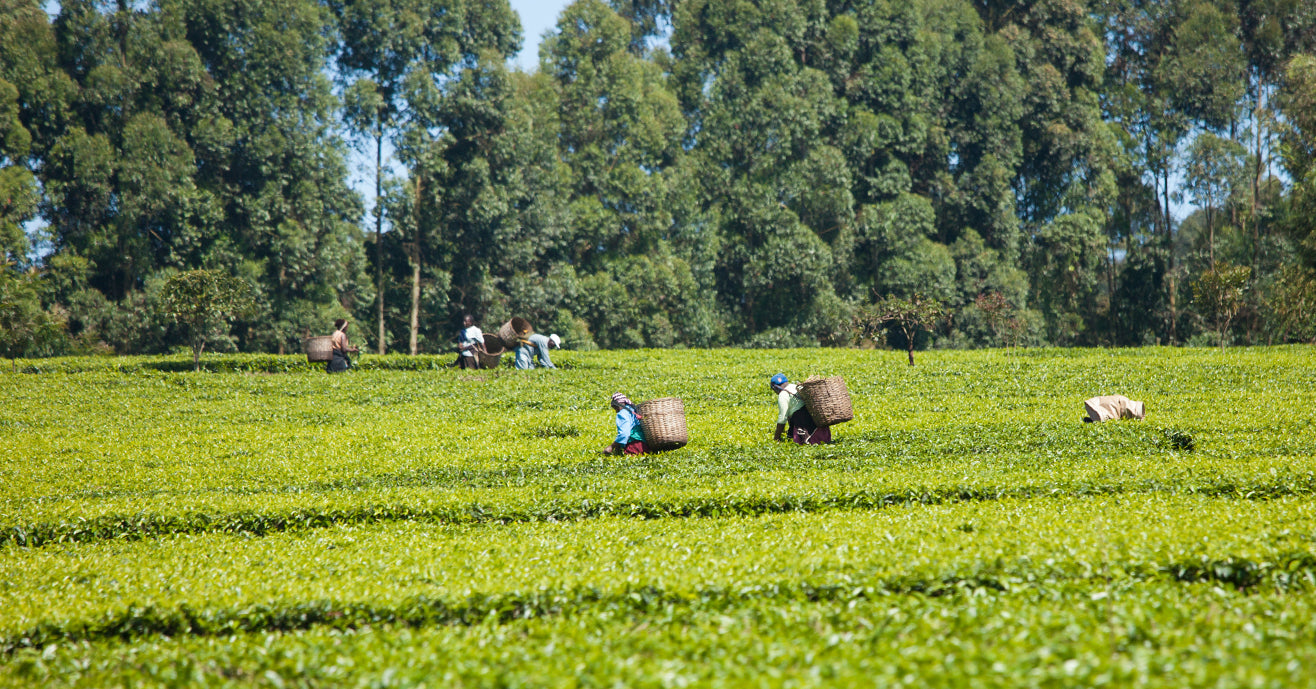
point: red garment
(635, 447)
(823, 434)
(805, 432)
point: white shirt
(788, 402)
(469, 336)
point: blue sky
(537, 16)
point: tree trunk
(415, 274)
(1110, 292)
(909, 342)
(196, 355)
(415, 300)
(379, 231)
(278, 302)
(1169, 245)
(1256, 182)
(1210, 236)
(1174, 307)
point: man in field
(534, 349)
(469, 341)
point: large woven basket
(493, 351)
(318, 348)
(663, 423)
(513, 330)
(827, 400)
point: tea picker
(534, 348)
(630, 435)
(654, 426)
(811, 408)
(469, 341)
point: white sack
(1112, 407)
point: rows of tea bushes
(107, 455)
(223, 363)
(423, 575)
(433, 527)
(263, 515)
(1148, 635)
(240, 431)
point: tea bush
(266, 524)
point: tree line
(675, 172)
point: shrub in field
(1219, 293)
(911, 316)
(204, 302)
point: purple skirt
(805, 432)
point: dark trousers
(338, 362)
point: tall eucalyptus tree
(397, 57)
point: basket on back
(513, 330)
(318, 348)
(827, 400)
(663, 423)
(493, 351)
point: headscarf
(621, 401)
(777, 381)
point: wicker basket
(827, 400)
(513, 330)
(493, 351)
(318, 348)
(663, 423)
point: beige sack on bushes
(1111, 407)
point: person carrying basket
(630, 437)
(791, 410)
(339, 360)
(469, 341)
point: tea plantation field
(406, 525)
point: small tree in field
(912, 316)
(1219, 294)
(1001, 317)
(204, 302)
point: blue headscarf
(777, 381)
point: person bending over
(791, 410)
(534, 349)
(630, 437)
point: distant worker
(630, 437)
(469, 341)
(791, 410)
(534, 349)
(338, 356)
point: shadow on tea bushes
(1287, 571)
(141, 526)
